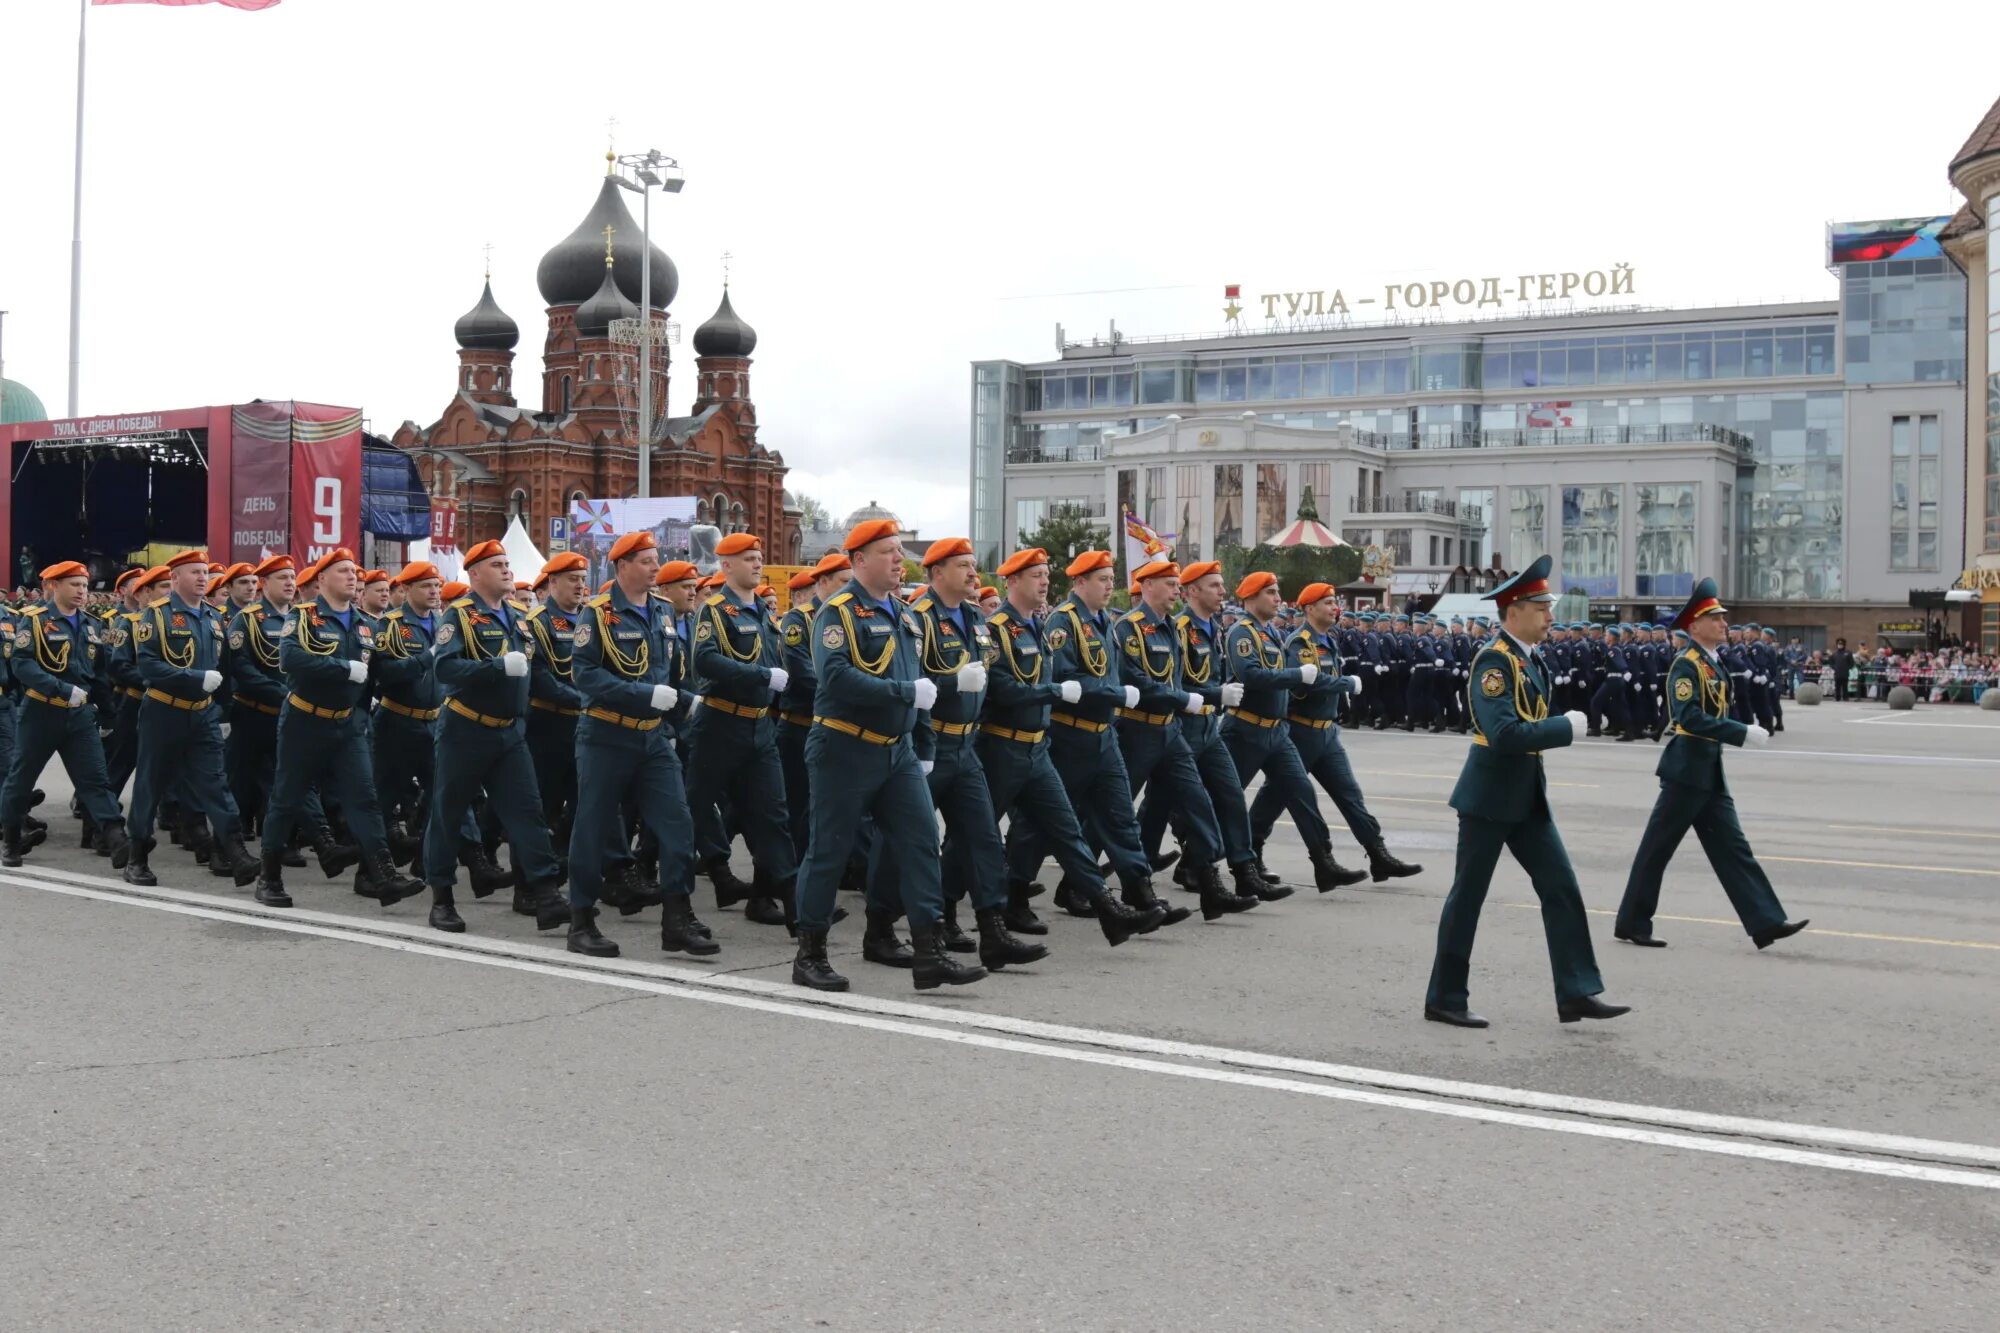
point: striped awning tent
(1307, 532)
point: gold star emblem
(1231, 311)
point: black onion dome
(486, 327)
(570, 272)
(593, 317)
(725, 333)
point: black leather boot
(1264, 871)
(1329, 874)
(1119, 922)
(1217, 901)
(379, 879)
(584, 937)
(271, 883)
(1140, 894)
(956, 940)
(444, 912)
(404, 846)
(1272, 888)
(1073, 900)
(234, 860)
(680, 932)
(638, 886)
(810, 967)
(879, 943)
(1383, 866)
(136, 871)
(16, 849)
(1163, 860)
(619, 887)
(334, 857)
(294, 855)
(729, 890)
(33, 832)
(1021, 918)
(1026, 888)
(544, 902)
(482, 872)
(764, 909)
(113, 841)
(998, 948)
(933, 966)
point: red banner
(326, 496)
(260, 485)
(444, 523)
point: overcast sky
(294, 203)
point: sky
(295, 203)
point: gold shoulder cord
(1094, 667)
(253, 633)
(881, 663)
(1005, 643)
(933, 650)
(1146, 658)
(633, 666)
(465, 634)
(722, 640)
(565, 670)
(303, 633)
(55, 661)
(1187, 657)
(1538, 711)
(186, 659)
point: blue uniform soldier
(178, 647)
(121, 748)
(1502, 802)
(554, 701)
(56, 656)
(1694, 794)
(631, 664)
(257, 686)
(862, 762)
(795, 705)
(407, 723)
(324, 654)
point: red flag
(233, 4)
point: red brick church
(496, 458)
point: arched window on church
(738, 520)
(503, 373)
(719, 507)
(701, 511)
(468, 377)
(565, 395)
(517, 505)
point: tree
(812, 514)
(1066, 531)
(1295, 566)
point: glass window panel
(1273, 509)
(1638, 360)
(1260, 384)
(1582, 359)
(1157, 386)
(1792, 356)
(1610, 360)
(1100, 390)
(1700, 348)
(1524, 371)
(1079, 391)
(1235, 384)
(1591, 543)
(1055, 392)
(1187, 506)
(1928, 436)
(1495, 371)
(1121, 388)
(1288, 381)
(1756, 355)
(1207, 386)
(1527, 525)
(1396, 373)
(1342, 370)
(1228, 504)
(1819, 350)
(1033, 396)
(1728, 356)
(1554, 367)
(1668, 365)
(1368, 376)
(1665, 548)
(1899, 436)
(1312, 379)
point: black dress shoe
(1021, 919)
(444, 916)
(1640, 938)
(1589, 1006)
(1766, 938)
(1458, 1018)
(764, 910)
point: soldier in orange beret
(407, 716)
(257, 692)
(554, 701)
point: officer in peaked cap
(1502, 803)
(1694, 794)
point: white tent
(521, 552)
(449, 563)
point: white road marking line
(1761, 756)
(1898, 720)
(921, 1020)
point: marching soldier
(178, 645)
(989, 600)
(630, 665)
(121, 751)
(795, 705)
(554, 701)
(324, 655)
(733, 743)
(483, 650)
(257, 685)
(57, 659)
(862, 763)
(1313, 720)
(407, 723)
(1502, 802)
(1694, 793)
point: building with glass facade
(1970, 239)
(1807, 455)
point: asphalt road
(215, 1116)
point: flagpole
(76, 219)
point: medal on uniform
(794, 636)
(236, 639)
(833, 637)
(1492, 683)
(1683, 689)
(582, 639)
(445, 631)
(1058, 637)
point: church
(494, 458)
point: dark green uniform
(795, 715)
(176, 645)
(733, 759)
(1157, 758)
(1257, 736)
(554, 705)
(946, 739)
(406, 722)
(1503, 802)
(52, 657)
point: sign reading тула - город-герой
(1437, 294)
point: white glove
(1131, 696)
(1379, 668)
(779, 679)
(1438, 662)
(1194, 703)
(77, 697)
(926, 691)
(1069, 691)
(1232, 694)
(357, 672)
(1578, 723)
(1656, 689)
(1759, 679)
(926, 765)
(514, 664)
(211, 681)
(1628, 675)
(1353, 684)
(1308, 673)
(1756, 735)
(972, 678)
(664, 698)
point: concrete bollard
(1989, 698)
(1902, 698)
(1810, 694)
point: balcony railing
(1056, 453)
(1415, 504)
(1543, 436)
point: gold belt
(416, 714)
(631, 723)
(481, 718)
(1478, 739)
(330, 714)
(132, 692)
(859, 733)
(1010, 734)
(1245, 715)
(268, 710)
(548, 707)
(798, 719)
(1316, 723)
(1080, 723)
(185, 705)
(738, 710)
(43, 698)
(1150, 719)
(1680, 730)
(952, 728)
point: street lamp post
(652, 168)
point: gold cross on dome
(726, 257)
(489, 261)
(609, 231)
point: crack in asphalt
(332, 1045)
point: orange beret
(987, 590)
(416, 572)
(764, 590)
(944, 548)
(312, 570)
(67, 569)
(1156, 569)
(1314, 592)
(215, 582)
(800, 581)
(451, 592)
(275, 564)
(1255, 583)
(676, 571)
(127, 577)
(712, 581)
(736, 543)
(1089, 562)
(486, 550)
(1021, 560)
(866, 534)
(183, 558)
(1200, 569)
(561, 563)
(335, 556)
(831, 563)
(605, 586)
(237, 571)
(148, 579)
(632, 543)
(374, 576)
